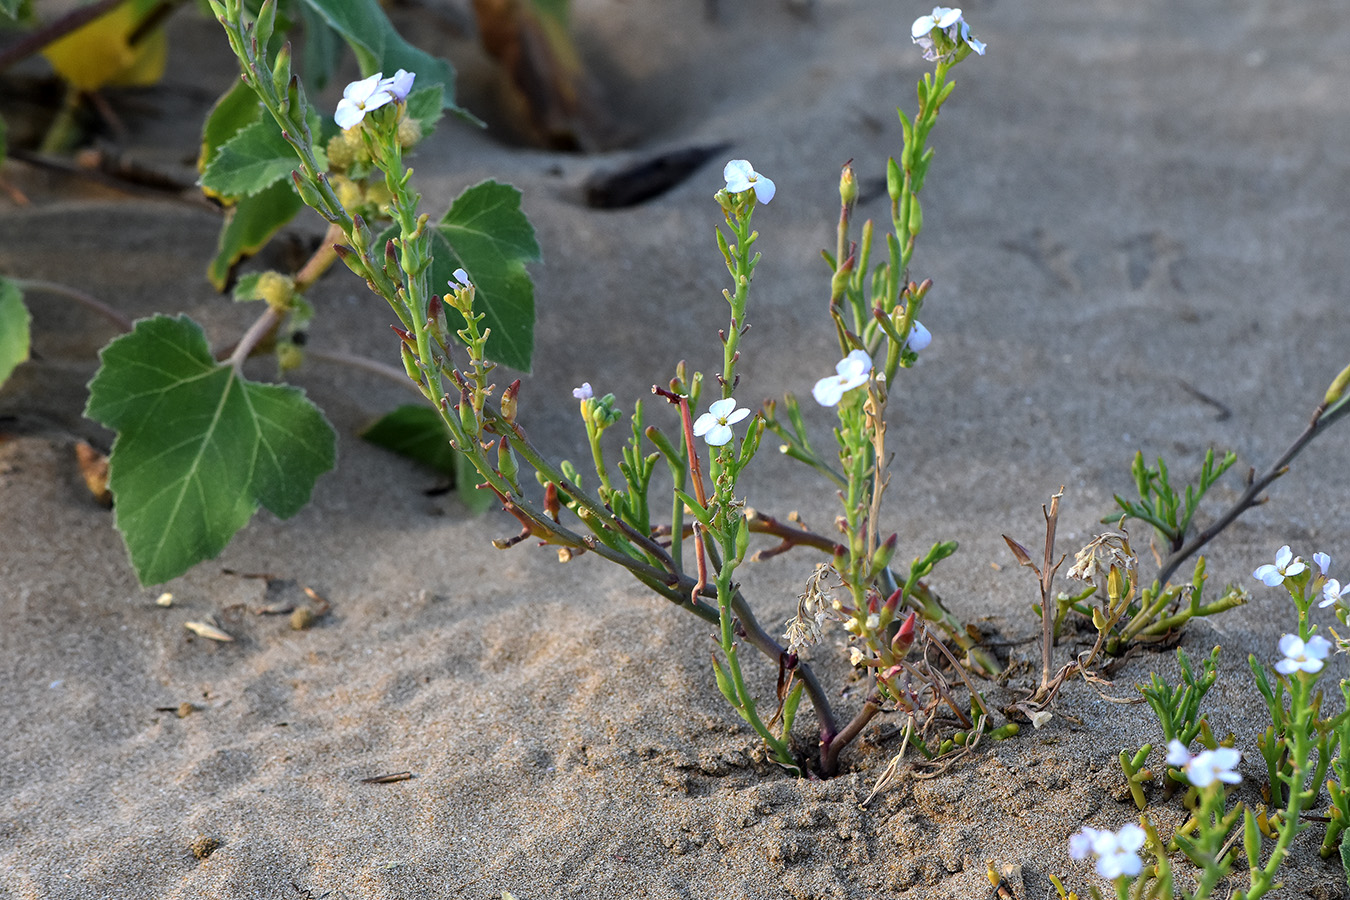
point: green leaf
(198, 447)
(487, 235)
(11, 8)
(256, 158)
(379, 47)
(250, 224)
(14, 333)
(322, 50)
(416, 432)
(236, 109)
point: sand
(1134, 206)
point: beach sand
(1136, 227)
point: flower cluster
(1116, 852)
(368, 94)
(942, 34)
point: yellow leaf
(100, 53)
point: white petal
(1131, 836)
(718, 435)
(722, 408)
(1177, 754)
(704, 423)
(348, 114)
(862, 357)
(738, 174)
(400, 85)
(736, 416)
(919, 337)
(1317, 647)
(922, 25)
(764, 189)
(828, 391)
(1283, 556)
(946, 17)
(358, 91)
(1291, 646)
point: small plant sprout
(740, 176)
(714, 426)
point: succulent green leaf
(250, 224)
(487, 235)
(199, 448)
(14, 333)
(379, 47)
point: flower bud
(1337, 388)
(506, 461)
(904, 638)
(276, 289)
(894, 180)
(409, 132)
(509, 401)
(848, 187)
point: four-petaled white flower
(1323, 562)
(1332, 591)
(714, 426)
(359, 98)
(400, 85)
(460, 280)
(951, 24)
(1286, 565)
(919, 337)
(1300, 656)
(740, 176)
(584, 392)
(1207, 766)
(1116, 852)
(850, 372)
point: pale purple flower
(1286, 565)
(850, 372)
(400, 85)
(919, 337)
(1301, 657)
(1332, 591)
(714, 426)
(740, 176)
(950, 23)
(359, 98)
(1117, 853)
(460, 280)
(584, 392)
(1207, 766)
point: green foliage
(249, 225)
(14, 335)
(254, 158)
(417, 432)
(198, 447)
(1178, 708)
(487, 235)
(1160, 505)
(378, 47)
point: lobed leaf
(199, 448)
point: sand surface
(1135, 205)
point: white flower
(584, 392)
(1207, 766)
(714, 426)
(943, 17)
(1323, 562)
(400, 85)
(850, 372)
(741, 177)
(919, 337)
(1116, 852)
(1286, 565)
(950, 23)
(1301, 657)
(359, 98)
(1332, 591)
(460, 280)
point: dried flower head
(814, 609)
(1102, 554)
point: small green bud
(848, 187)
(506, 461)
(915, 223)
(894, 180)
(1337, 388)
